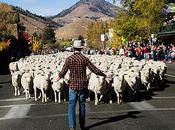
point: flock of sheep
(38, 72)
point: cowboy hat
(78, 44)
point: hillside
(72, 22)
(92, 9)
(33, 22)
(86, 11)
(74, 29)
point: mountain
(72, 22)
(33, 22)
(92, 9)
(82, 13)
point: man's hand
(56, 79)
(109, 75)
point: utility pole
(17, 24)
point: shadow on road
(163, 85)
(170, 82)
(114, 119)
(144, 95)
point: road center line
(17, 111)
(14, 99)
(91, 113)
(141, 105)
(5, 106)
(170, 75)
(172, 97)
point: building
(167, 33)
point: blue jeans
(73, 97)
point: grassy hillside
(74, 29)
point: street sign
(102, 37)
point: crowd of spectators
(158, 52)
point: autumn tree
(94, 32)
(116, 41)
(4, 45)
(139, 18)
(8, 18)
(36, 45)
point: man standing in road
(76, 64)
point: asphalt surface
(154, 113)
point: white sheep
(162, 69)
(95, 84)
(16, 82)
(146, 77)
(13, 67)
(119, 85)
(27, 83)
(57, 87)
(41, 82)
(133, 82)
(44, 64)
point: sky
(45, 7)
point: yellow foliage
(116, 42)
(4, 45)
(36, 45)
(8, 14)
(6, 7)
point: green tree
(149, 15)
(48, 36)
(63, 43)
(140, 18)
(125, 3)
(37, 35)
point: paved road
(156, 113)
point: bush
(4, 45)
(36, 45)
(63, 43)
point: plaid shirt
(77, 64)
